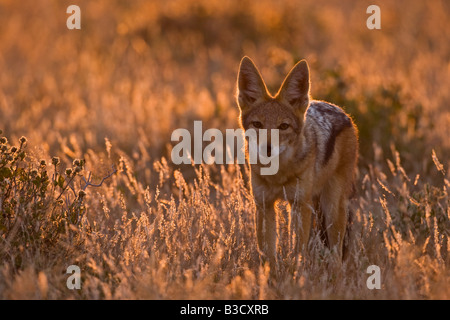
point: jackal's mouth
(270, 151)
(266, 152)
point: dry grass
(113, 93)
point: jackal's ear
(250, 85)
(295, 88)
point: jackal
(318, 151)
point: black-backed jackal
(318, 151)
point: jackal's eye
(283, 126)
(257, 124)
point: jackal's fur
(318, 145)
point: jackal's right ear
(250, 86)
(295, 88)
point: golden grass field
(113, 92)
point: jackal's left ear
(295, 88)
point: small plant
(35, 205)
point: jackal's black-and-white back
(329, 121)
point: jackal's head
(285, 111)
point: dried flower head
(55, 161)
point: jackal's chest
(295, 186)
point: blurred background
(138, 70)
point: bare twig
(88, 182)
